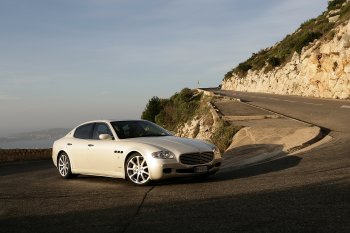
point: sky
(63, 62)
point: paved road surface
(308, 192)
(329, 113)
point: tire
(63, 166)
(136, 170)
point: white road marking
(312, 103)
(290, 101)
(345, 106)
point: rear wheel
(136, 170)
(64, 167)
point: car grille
(197, 158)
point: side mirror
(105, 137)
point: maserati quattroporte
(137, 150)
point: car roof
(109, 121)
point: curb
(247, 118)
(249, 159)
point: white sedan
(136, 150)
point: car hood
(176, 145)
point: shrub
(152, 109)
(274, 61)
(185, 95)
(228, 75)
(345, 13)
(305, 39)
(244, 67)
(334, 4)
(172, 112)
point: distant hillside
(313, 61)
(37, 135)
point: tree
(152, 109)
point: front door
(102, 156)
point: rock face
(196, 128)
(200, 126)
(321, 70)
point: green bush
(152, 109)
(305, 39)
(274, 61)
(172, 112)
(334, 4)
(228, 75)
(244, 67)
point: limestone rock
(321, 70)
(198, 127)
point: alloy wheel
(63, 165)
(137, 170)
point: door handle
(69, 144)
(90, 145)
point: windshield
(135, 129)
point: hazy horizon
(69, 61)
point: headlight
(163, 155)
(217, 153)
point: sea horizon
(27, 144)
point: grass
(223, 135)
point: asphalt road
(307, 192)
(329, 113)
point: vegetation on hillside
(223, 135)
(153, 108)
(282, 52)
(184, 106)
(172, 112)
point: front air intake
(197, 158)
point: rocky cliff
(201, 126)
(322, 69)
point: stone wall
(321, 70)
(11, 155)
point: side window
(84, 131)
(101, 128)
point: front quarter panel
(128, 147)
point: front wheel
(136, 170)
(64, 167)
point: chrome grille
(197, 158)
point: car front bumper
(163, 169)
